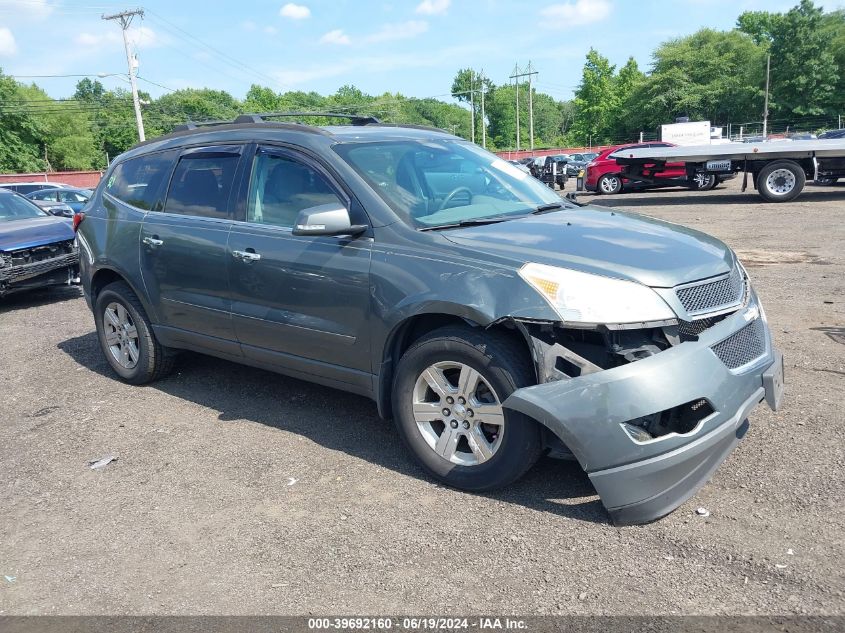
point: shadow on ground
(338, 421)
(36, 298)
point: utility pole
(472, 103)
(517, 75)
(483, 119)
(766, 106)
(125, 19)
(530, 106)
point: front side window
(140, 181)
(281, 187)
(43, 195)
(434, 183)
(72, 196)
(201, 185)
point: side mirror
(326, 219)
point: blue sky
(408, 46)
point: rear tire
(609, 184)
(781, 181)
(459, 433)
(126, 336)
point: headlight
(584, 298)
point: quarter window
(281, 187)
(201, 185)
(141, 181)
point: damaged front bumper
(640, 480)
(60, 269)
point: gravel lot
(238, 491)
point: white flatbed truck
(779, 169)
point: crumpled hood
(28, 232)
(611, 243)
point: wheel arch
(415, 326)
(106, 275)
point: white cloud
(8, 47)
(401, 31)
(575, 13)
(335, 37)
(30, 8)
(271, 30)
(295, 11)
(433, 7)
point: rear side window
(141, 181)
(201, 185)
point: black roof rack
(354, 119)
(193, 125)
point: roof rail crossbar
(192, 125)
(354, 119)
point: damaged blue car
(36, 249)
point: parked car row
(52, 197)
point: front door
(300, 303)
(184, 257)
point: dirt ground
(237, 491)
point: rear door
(184, 258)
(298, 302)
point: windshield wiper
(546, 208)
(471, 222)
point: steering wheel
(451, 195)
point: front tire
(447, 396)
(781, 181)
(610, 184)
(704, 182)
(126, 336)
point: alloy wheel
(458, 413)
(121, 335)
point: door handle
(246, 256)
(153, 241)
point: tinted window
(141, 181)
(42, 195)
(201, 185)
(281, 187)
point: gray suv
(492, 320)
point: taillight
(77, 220)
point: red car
(604, 175)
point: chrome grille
(743, 346)
(711, 296)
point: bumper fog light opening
(637, 433)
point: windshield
(439, 183)
(14, 207)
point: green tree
(596, 100)
(19, 131)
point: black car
(491, 319)
(578, 162)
